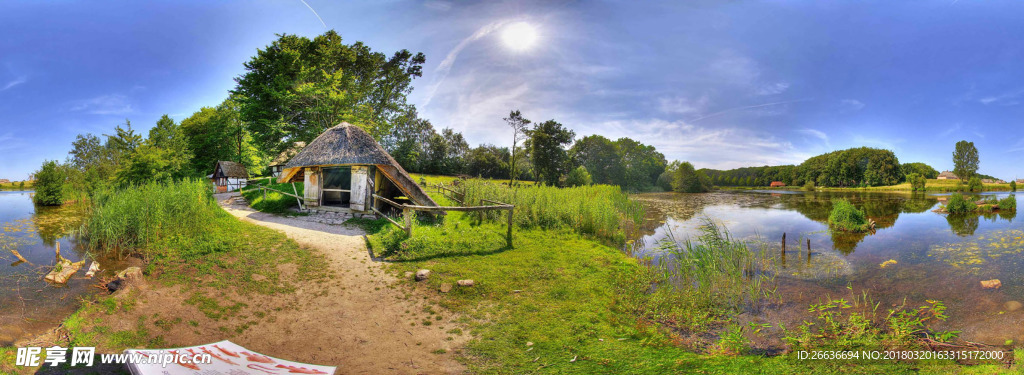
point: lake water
(937, 256)
(29, 305)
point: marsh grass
(135, 217)
(845, 216)
(601, 211)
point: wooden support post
(784, 243)
(264, 193)
(296, 191)
(508, 236)
(408, 213)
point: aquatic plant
(845, 216)
(1008, 204)
(974, 184)
(809, 186)
(958, 204)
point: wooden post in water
(58, 251)
(784, 243)
(808, 251)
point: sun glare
(519, 36)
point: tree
(488, 161)
(974, 184)
(965, 160)
(50, 184)
(163, 156)
(641, 164)
(578, 177)
(519, 125)
(547, 143)
(601, 157)
(920, 168)
(688, 180)
(1013, 185)
(217, 133)
(406, 139)
(297, 87)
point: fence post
(264, 193)
(408, 213)
(508, 236)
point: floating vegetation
(973, 255)
(887, 263)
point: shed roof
(947, 174)
(288, 154)
(231, 169)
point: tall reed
(598, 210)
(717, 268)
(132, 218)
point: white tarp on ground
(228, 358)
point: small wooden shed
(343, 167)
(279, 162)
(229, 176)
(778, 184)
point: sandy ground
(360, 320)
(357, 325)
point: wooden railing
(409, 212)
(294, 189)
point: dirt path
(359, 323)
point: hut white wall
(357, 198)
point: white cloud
(815, 133)
(707, 147)
(683, 105)
(850, 105)
(1006, 99)
(15, 82)
(113, 104)
(772, 88)
(442, 70)
(735, 69)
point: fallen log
(63, 271)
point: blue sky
(721, 84)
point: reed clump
(135, 217)
(600, 211)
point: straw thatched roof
(288, 154)
(347, 144)
(230, 169)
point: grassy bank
(17, 185)
(941, 186)
(220, 263)
(562, 301)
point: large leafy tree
(642, 164)
(922, 169)
(547, 144)
(297, 87)
(163, 156)
(601, 158)
(965, 160)
(488, 161)
(688, 180)
(217, 133)
(405, 142)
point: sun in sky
(519, 36)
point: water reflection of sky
(937, 256)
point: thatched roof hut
(228, 176)
(277, 165)
(344, 166)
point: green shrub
(845, 216)
(1009, 203)
(974, 184)
(917, 182)
(1013, 185)
(50, 184)
(809, 186)
(958, 204)
(578, 177)
(602, 211)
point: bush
(916, 181)
(1008, 204)
(809, 186)
(957, 204)
(578, 177)
(974, 184)
(1013, 185)
(50, 184)
(846, 217)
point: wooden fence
(294, 189)
(409, 211)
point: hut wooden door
(337, 183)
(358, 197)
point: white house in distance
(229, 176)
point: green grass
(274, 202)
(16, 185)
